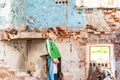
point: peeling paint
(18, 12)
(4, 13)
(46, 13)
(76, 18)
(2, 5)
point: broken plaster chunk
(31, 20)
(90, 30)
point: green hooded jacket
(53, 51)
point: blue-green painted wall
(46, 13)
(18, 12)
(40, 13)
(76, 18)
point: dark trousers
(55, 76)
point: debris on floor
(100, 74)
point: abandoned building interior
(87, 34)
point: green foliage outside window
(97, 49)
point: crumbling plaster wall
(70, 62)
(108, 21)
(24, 55)
(104, 19)
(40, 13)
(44, 13)
(75, 56)
(17, 13)
(5, 10)
(117, 54)
(50, 13)
(13, 53)
(37, 58)
(12, 13)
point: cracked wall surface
(13, 53)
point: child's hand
(55, 61)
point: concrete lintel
(22, 35)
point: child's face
(52, 36)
